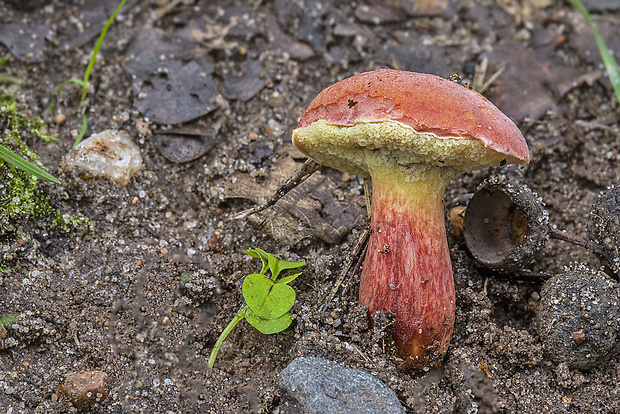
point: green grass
(83, 83)
(20, 197)
(9, 110)
(15, 123)
(611, 65)
(11, 79)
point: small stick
(359, 252)
(490, 81)
(306, 170)
(612, 259)
(480, 73)
(359, 249)
(367, 197)
(167, 9)
(357, 266)
(524, 274)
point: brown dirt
(113, 300)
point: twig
(612, 259)
(167, 9)
(357, 266)
(490, 81)
(480, 72)
(309, 168)
(367, 197)
(478, 83)
(360, 248)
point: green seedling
(268, 300)
(83, 83)
(611, 65)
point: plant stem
(220, 340)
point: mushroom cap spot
(413, 118)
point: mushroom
(410, 133)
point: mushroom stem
(407, 268)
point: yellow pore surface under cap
(365, 146)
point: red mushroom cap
(426, 103)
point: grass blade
(18, 162)
(93, 56)
(61, 87)
(611, 66)
(10, 79)
(82, 131)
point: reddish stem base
(408, 270)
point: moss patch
(20, 196)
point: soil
(144, 295)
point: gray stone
(317, 385)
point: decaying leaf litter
(144, 295)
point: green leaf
(288, 279)
(267, 299)
(269, 326)
(18, 162)
(259, 254)
(284, 265)
(274, 266)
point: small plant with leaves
(268, 299)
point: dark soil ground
(144, 295)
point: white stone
(110, 154)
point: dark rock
(316, 385)
(578, 318)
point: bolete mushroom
(410, 133)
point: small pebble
(109, 154)
(86, 387)
(59, 118)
